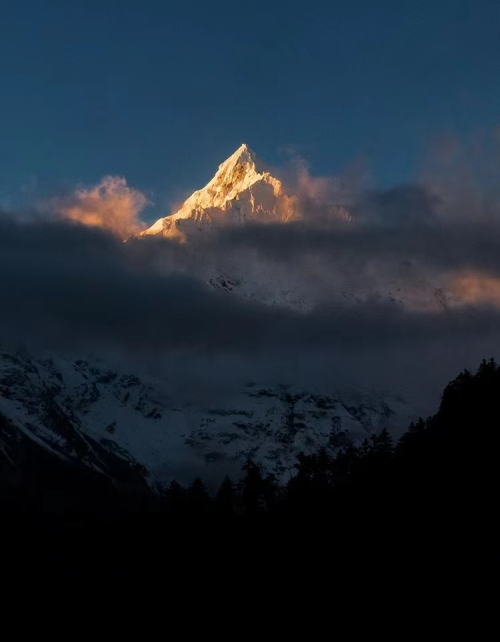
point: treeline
(317, 480)
(430, 498)
(444, 469)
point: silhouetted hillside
(426, 502)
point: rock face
(238, 192)
(131, 431)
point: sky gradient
(162, 92)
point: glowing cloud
(111, 205)
(471, 288)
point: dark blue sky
(162, 91)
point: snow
(143, 417)
(272, 424)
(241, 194)
(237, 192)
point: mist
(396, 289)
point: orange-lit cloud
(323, 199)
(473, 288)
(111, 205)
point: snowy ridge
(83, 411)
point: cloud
(72, 284)
(320, 198)
(111, 205)
(81, 289)
(404, 289)
(476, 289)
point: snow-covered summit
(237, 174)
(238, 192)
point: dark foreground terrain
(425, 507)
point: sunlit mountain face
(295, 248)
(308, 245)
(310, 242)
(241, 198)
(239, 192)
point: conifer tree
(225, 498)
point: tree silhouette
(258, 493)
(225, 501)
(198, 497)
(175, 497)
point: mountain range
(131, 428)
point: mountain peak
(242, 155)
(243, 160)
(243, 148)
(239, 188)
(237, 173)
